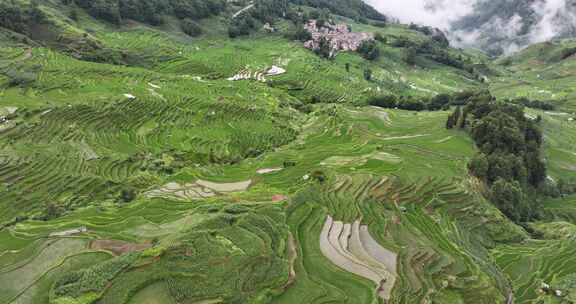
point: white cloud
(437, 13)
(553, 17)
(548, 11)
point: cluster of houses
(340, 36)
(545, 288)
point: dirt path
(268, 170)
(292, 256)
(242, 10)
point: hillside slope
(544, 71)
(159, 160)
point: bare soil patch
(118, 247)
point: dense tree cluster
(534, 104)
(369, 50)
(410, 103)
(410, 56)
(509, 160)
(190, 28)
(567, 52)
(267, 11)
(324, 49)
(436, 35)
(150, 11)
(355, 9)
(299, 33)
(17, 17)
(367, 74)
(437, 51)
(264, 11)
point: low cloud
(550, 19)
(553, 15)
(437, 13)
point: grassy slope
(538, 72)
(449, 240)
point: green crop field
(540, 72)
(135, 169)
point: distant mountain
(505, 26)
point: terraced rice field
(560, 143)
(432, 222)
(346, 245)
(196, 189)
(341, 131)
(540, 73)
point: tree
(52, 211)
(509, 198)
(378, 37)
(127, 194)
(535, 167)
(13, 16)
(241, 26)
(300, 34)
(318, 176)
(457, 119)
(498, 131)
(505, 166)
(324, 48)
(73, 14)
(479, 166)
(410, 56)
(190, 27)
(438, 102)
(369, 50)
(368, 74)
(384, 101)
(509, 162)
(36, 14)
(452, 121)
(410, 104)
(150, 11)
(457, 116)
(20, 78)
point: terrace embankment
(351, 248)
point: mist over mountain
(496, 26)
